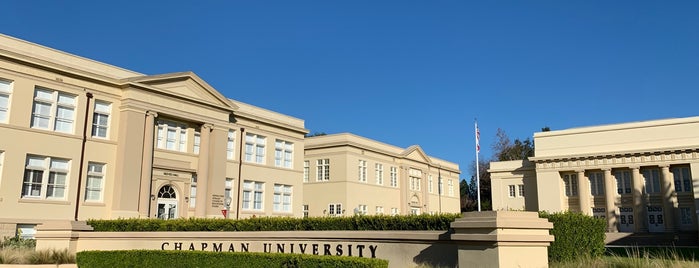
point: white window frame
(379, 173)
(101, 119)
(379, 210)
(362, 170)
(394, 177)
(682, 179)
(193, 192)
(255, 148)
(651, 179)
(451, 187)
(197, 142)
(335, 210)
(394, 211)
(228, 188)
(596, 181)
(362, 209)
(179, 138)
(253, 195)
(623, 181)
(230, 145)
(95, 181)
(570, 184)
(48, 169)
(304, 209)
(56, 101)
(323, 169)
(306, 170)
(282, 198)
(511, 191)
(5, 100)
(283, 153)
(429, 183)
(520, 189)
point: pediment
(416, 153)
(186, 85)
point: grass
(31, 256)
(638, 257)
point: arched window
(167, 192)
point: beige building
(345, 174)
(639, 176)
(80, 139)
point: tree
(469, 197)
(504, 150)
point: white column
(669, 198)
(147, 164)
(203, 172)
(584, 193)
(639, 202)
(610, 198)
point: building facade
(347, 175)
(640, 176)
(80, 139)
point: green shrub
(576, 235)
(17, 243)
(160, 258)
(368, 223)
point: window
(5, 91)
(255, 148)
(429, 183)
(26, 231)
(282, 198)
(193, 192)
(512, 190)
(306, 170)
(252, 195)
(652, 179)
(305, 211)
(230, 145)
(394, 177)
(361, 210)
(45, 177)
(623, 181)
(451, 187)
(686, 216)
(596, 183)
(335, 210)
(95, 182)
(379, 174)
(2, 154)
(283, 151)
(415, 179)
(379, 210)
(100, 119)
(53, 110)
(228, 188)
(521, 190)
(362, 170)
(394, 211)
(683, 181)
(323, 167)
(172, 135)
(570, 182)
(197, 142)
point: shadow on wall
(439, 255)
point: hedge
(576, 235)
(440, 222)
(168, 259)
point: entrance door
(626, 220)
(656, 220)
(167, 203)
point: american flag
(478, 138)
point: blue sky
(402, 72)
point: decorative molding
(633, 161)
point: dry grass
(634, 258)
(30, 256)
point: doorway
(167, 203)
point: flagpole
(478, 175)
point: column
(203, 172)
(584, 193)
(639, 201)
(669, 198)
(610, 198)
(147, 165)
